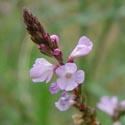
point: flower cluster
(112, 107)
(69, 77)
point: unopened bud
(54, 41)
(57, 52)
(58, 55)
(45, 50)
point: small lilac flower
(108, 105)
(69, 76)
(65, 102)
(54, 88)
(83, 47)
(41, 71)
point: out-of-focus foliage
(103, 21)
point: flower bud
(57, 53)
(54, 41)
(45, 50)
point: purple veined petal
(79, 76)
(70, 67)
(65, 102)
(60, 71)
(83, 47)
(61, 105)
(54, 88)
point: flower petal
(42, 61)
(70, 67)
(71, 85)
(42, 78)
(83, 47)
(54, 88)
(79, 76)
(60, 71)
(108, 105)
(35, 72)
(61, 83)
(65, 102)
(42, 70)
(49, 76)
(66, 85)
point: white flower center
(68, 75)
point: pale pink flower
(69, 76)
(41, 71)
(83, 47)
(65, 102)
(108, 105)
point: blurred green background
(103, 21)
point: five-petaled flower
(42, 70)
(108, 104)
(69, 76)
(113, 107)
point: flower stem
(88, 114)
